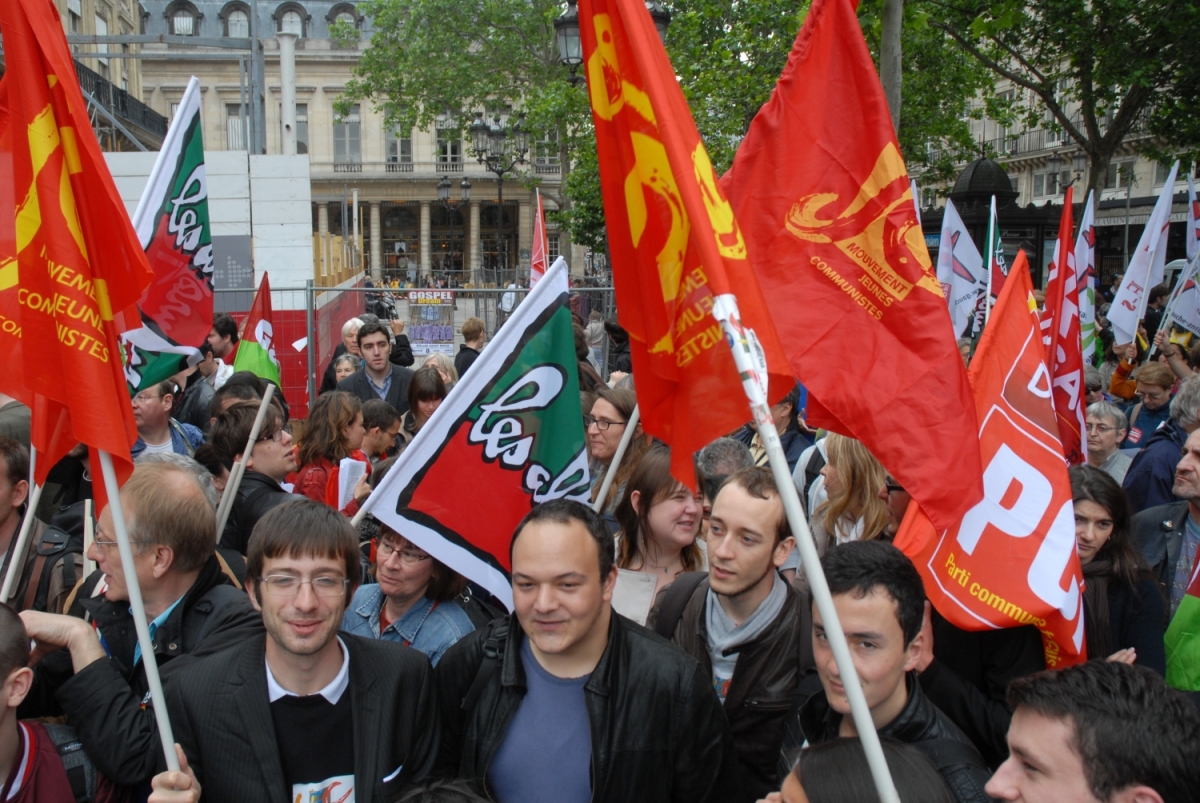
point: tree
(1097, 69)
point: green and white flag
(256, 350)
(509, 436)
(173, 225)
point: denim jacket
(427, 626)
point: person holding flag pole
(1188, 273)
(229, 496)
(1145, 269)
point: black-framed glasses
(385, 549)
(893, 487)
(1103, 429)
(276, 436)
(288, 585)
(602, 424)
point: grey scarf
(724, 636)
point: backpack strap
(81, 772)
(1133, 416)
(39, 566)
(492, 650)
(675, 598)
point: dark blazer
(359, 385)
(222, 719)
(1159, 534)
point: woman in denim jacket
(412, 600)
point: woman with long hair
(412, 600)
(659, 518)
(334, 431)
(1124, 617)
(603, 426)
(853, 509)
(426, 390)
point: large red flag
(1006, 562)
(826, 205)
(79, 259)
(676, 246)
(1064, 343)
(12, 378)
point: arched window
(291, 17)
(237, 24)
(183, 19)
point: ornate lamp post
(570, 48)
(443, 191)
(499, 150)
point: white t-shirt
(159, 448)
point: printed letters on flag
(675, 243)
(256, 350)
(1060, 328)
(79, 260)
(509, 436)
(1085, 281)
(173, 225)
(960, 271)
(1145, 268)
(1011, 560)
(541, 246)
(826, 205)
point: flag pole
(751, 365)
(89, 538)
(16, 564)
(138, 609)
(991, 257)
(239, 466)
(618, 456)
(1184, 276)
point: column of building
(376, 243)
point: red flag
(1005, 563)
(1063, 340)
(825, 199)
(676, 247)
(541, 246)
(12, 378)
(79, 260)
(256, 349)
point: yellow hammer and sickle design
(720, 213)
(607, 86)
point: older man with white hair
(1106, 428)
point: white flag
(1085, 278)
(1145, 268)
(1193, 221)
(960, 271)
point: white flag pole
(138, 609)
(991, 257)
(751, 365)
(619, 455)
(239, 466)
(16, 564)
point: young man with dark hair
(270, 461)
(382, 423)
(303, 713)
(880, 603)
(468, 351)
(743, 622)
(192, 609)
(224, 337)
(566, 700)
(1100, 732)
(378, 378)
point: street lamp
(566, 34)
(661, 17)
(499, 150)
(443, 193)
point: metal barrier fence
(308, 322)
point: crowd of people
(664, 648)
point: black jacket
(1152, 472)
(402, 355)
(256, 494)
(920, 724)
(969, 677)
(359, 385)
(1159, 533)
(765, 681)
(329, 378)
(658, 733)
(793, 441)
(222, 718)
(465, 358)
(103, 702)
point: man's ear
(17, 685)
(253, 592)
(609, 584)
(164, 559)
(782, 550)
(20, 492)
(1137, 794)
(914, 651)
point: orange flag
(826, 205)
(78, 257)
(1064, 343)
(675, 245)
(1011, 560)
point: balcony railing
(419, 169)
(121, 104)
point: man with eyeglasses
(157, 431)
(1106, 427)
(303, 713)
(192, 608)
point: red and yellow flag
(673, 238)
(12, 378)
(78, 258)
(1011, 560)
(826, 204)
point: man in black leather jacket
(880, 602)
(568, 700)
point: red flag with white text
(1063, 341)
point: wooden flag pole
(751, 365)
(239, 466)
(16, 564)
(618, 456)
(138, 609)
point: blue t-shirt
(546, 754)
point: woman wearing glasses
(603, 427)
(412, 600)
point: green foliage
(584, 218)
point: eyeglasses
(385, 549)
(1155, 396)
(1103, 429)
(276, 436)
(146, 398)
(893, 488)
(601, 424)
(286, 585)
(107, 545)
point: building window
(545, 153)
(292, 20)
(237, 24)
(301, 126)
(184, 19)
(552, 249)
(346, 17)
(449, 146)
(75, 16)
(1161, 170)
(235, 132)
(347, 143)
(1118, 175)
(102, 30)
(399, 149)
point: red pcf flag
(78, 258)
(541, 246)
(826, 204)
(676, 246)
(1064, 343)
(12, 378)
(1011, 560)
